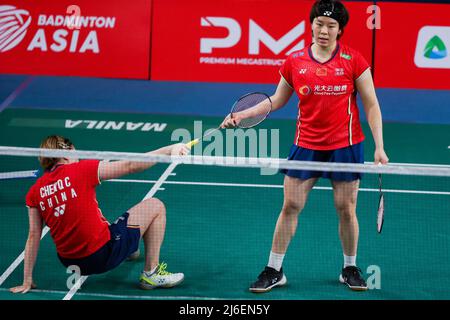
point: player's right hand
(230, 121)
(380, 157)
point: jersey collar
(56, 166)
(332, 55)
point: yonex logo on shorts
(119, 219)
(13, 26)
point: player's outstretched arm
(279, 99)
(116, 169)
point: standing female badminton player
(326, 76)
(64, 198)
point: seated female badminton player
(64, 198)
(326, 76)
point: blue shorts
(350, 154)
(124, 241)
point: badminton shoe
(352, 277)
(268, 279)
(160, 278)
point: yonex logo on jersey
(305, 90)
(339, 71)
(13, 26)
(302, 71)
(59, 211)
(321, 72)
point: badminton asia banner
(239, 41)
(78, 38)
(415, 54)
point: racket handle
(192, 143)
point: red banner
(107, 38)
(413, 46)
(238, 41)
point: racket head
(248, 101)
(380, 214)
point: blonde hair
(53, 142)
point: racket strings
(380, 213)
(262, 106)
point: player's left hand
(179, 149)
(380, 157)
(24, 288)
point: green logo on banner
(435, 49)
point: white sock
(275, 260)
(148, 273)
(349, 261)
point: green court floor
(220, 220)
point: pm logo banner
(235, 40)
(257, 36)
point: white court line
(18, 260)
(278, 186)
(161, 180)
(18, 174)
(121, 296)
(150, 194)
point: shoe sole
(146, 286)
(354, 288)
(280, 283)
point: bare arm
(279, 99)
(31, 250)
(365, 87)
(282, 95)
(116, 169)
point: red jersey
(66, 200)
(328, 116)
